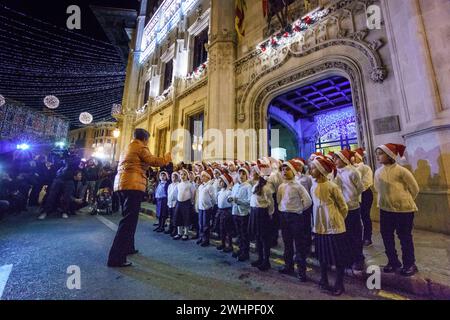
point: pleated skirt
(182, 214)
(259, 224)
(333, 249)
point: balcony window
(168, 73)
(200, 53)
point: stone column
(221, 113)
(418, 37)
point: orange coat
(132, 167)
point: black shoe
(199, 241)
(228, 250)
(410, 271)
(324, 285)
(256, 263)
(243, 257)
(236, 254)
(205, 244)
(337, 291)
(264, 266)
(286, 270)
(220, 248)
(392, 268)
(368, 243)
(168, 232)
(177, 237)
(157, 229)
(133, 252)
(358, 266)
(185, 238)
(302, 276)
(156, 224)
(123, 265)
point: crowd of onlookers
(59, 182)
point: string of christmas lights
(67, 73)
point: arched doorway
(319, 116)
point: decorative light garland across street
(51, 102)
(86, 118)
(292, 31)
(343, 121)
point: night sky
(40, 57)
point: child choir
(327, 198)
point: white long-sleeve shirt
(222, 199)
(206, 196)
(265, 200)
(242, 193)
(397, 189)
(349, 180)
(275, 179)
(172, 195)
(366, 175)
(292, 197)
(329, 210)
(185, 191)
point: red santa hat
(218, 170)
(199, 164)
(227, 179)
(295, 166)
(325, 166)
(360, 153)
(185, 171)
(345, 155)
(315, 155)
(208, 172)
(263, 170)
(300, 161)
(393, 150)
(163, 172)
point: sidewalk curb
(416, 285)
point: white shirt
(222, 199)
(305, 181)
(329, 210)
(185, 191)
(216, 184)
(206, 196)
(292, 197)
(235, 176)
(265, 200)
(397, 189)
(242, 192)
(366, 175)
(349, 180)
(275, 179)
(172, 195)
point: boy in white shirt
(293, 200)
(206, 203)
(225, 214)
(172, 202)
(349, 180)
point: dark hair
(260, 185)
(141, 134)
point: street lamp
(116, 135)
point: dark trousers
(34, 194)
(171, 220)
(54, 193)
(241, 225)
(115, 202)
(366, 206)
(294, 230)
(353, 226)
(204, 224)
(402, 223)
(162, 212)
(226, 226)
(124, 241)
(263, 249)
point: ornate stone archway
(323, 68)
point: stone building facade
(384, 61)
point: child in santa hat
(240, 198)
(225, 214)
(397, 190)
(196, 182)
(261, 211)
(216, 185)
(275, 180)
(162, 211)
(185, 201)
(206, 203)
(293, 201)
(172, 202)
(349, 180)
(367, 196)
(329, 213)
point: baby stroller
(103, 200)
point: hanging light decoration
(51, 102)
(86, 118)
(2, 100)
